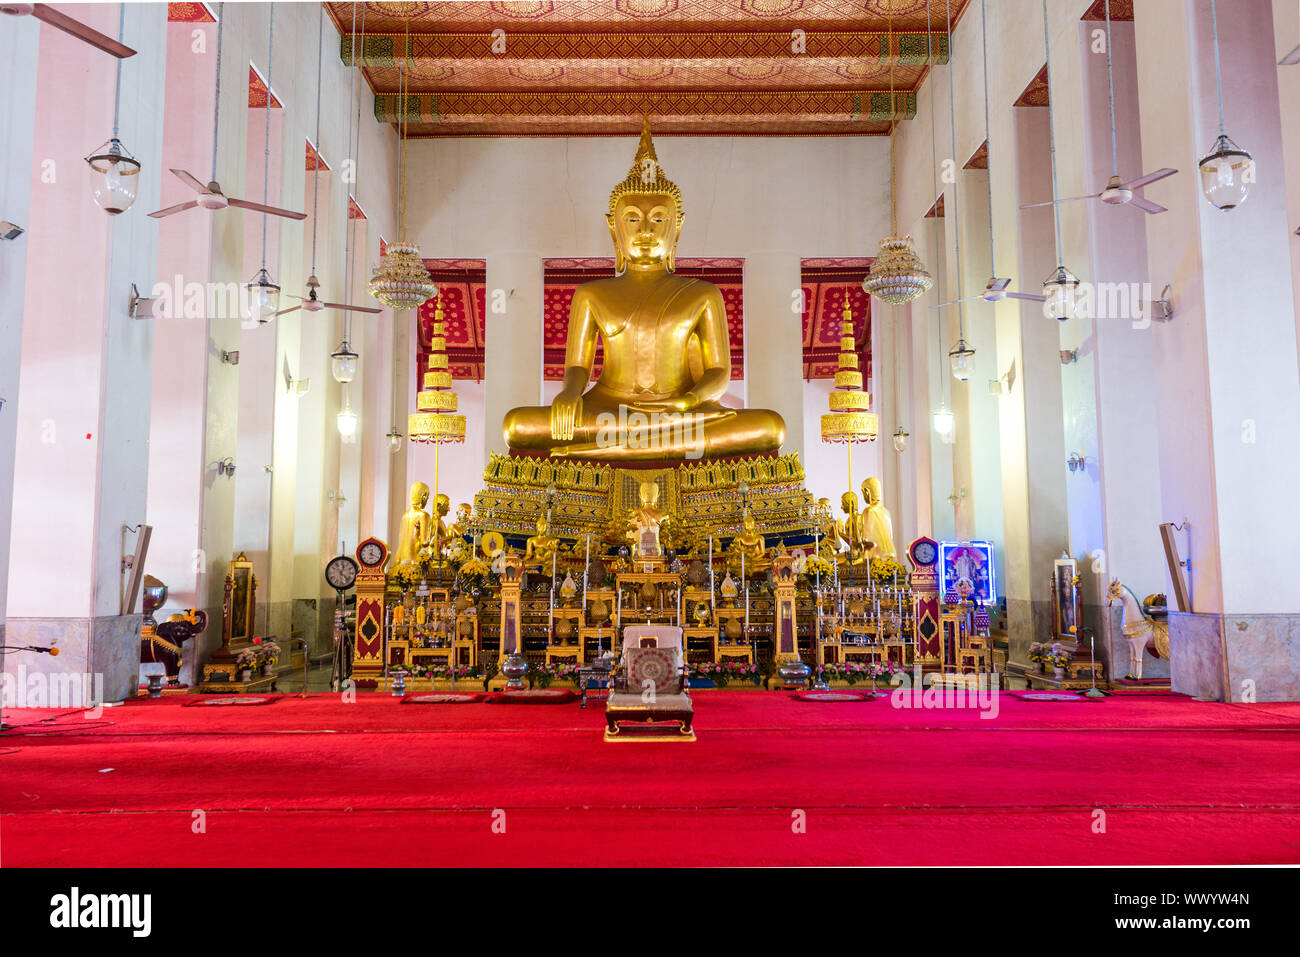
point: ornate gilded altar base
(705, 498)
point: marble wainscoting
(1027, 622)
(1235, 657)
(1116, 649)
(108, 646)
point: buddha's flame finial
(646, 175)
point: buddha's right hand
(565, 412)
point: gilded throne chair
(649, 688)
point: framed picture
(966, 572)
(1065, 599)
(242, 599)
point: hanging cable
(315, 193)
(984, 39)
(1110, 85)
(1051, 134)
(956, 175)
(266, 149)
(117, 84)
(1218, 70)
(216, 110)
(934, 177)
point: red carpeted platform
(317, 781)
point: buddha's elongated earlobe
(671, 259)
(620, 261)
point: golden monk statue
(850, 529)
(749, 543)
(877, 525)
(460, 527)
(667, 352)
(541, 548)
(645, 521)
(417, 528)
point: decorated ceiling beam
(440, 49)
(662, 108)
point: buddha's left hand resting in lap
(667, 357)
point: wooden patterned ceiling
(594, 67)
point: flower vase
(245, 674)
(1058, 673)
(268, 670)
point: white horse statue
(1139, 629)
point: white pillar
(514, 337)
(774, 340)
(1229, 386)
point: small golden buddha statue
(667, 351)
(541, 548)
(749, 543)
(645, 521)
(877, 525)
(417, 529)
(460, 527)
(849, 529)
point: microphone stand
(7, 648)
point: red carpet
(315, 782)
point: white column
(774, 341)
(1229, 387)
(18, 49)
(514, 337)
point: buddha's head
(442, 504)
(542, 526)
(648, 494)
(645, 212)
(849, 502)
(871, 491)
(419, 495)
(463, 511)
(748, 522)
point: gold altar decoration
(667, 353)
(436, 421)
(400, 280)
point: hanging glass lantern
(263, 297)
(114, 177)
(343, 363)
(394, 441)
(897, 275)
(943, 420)
(1226, 174)
(347, 420)
(901, 436)
(962, 360)
(1059, 291)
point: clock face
(341, 572)
(924, 553)
(371, 554)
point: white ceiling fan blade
(1026, 296)
(1146, 205)
(1066, 199)
(61, 21)
(347, 308)
(178, 208)
(1150, 178)
(953, 302)
(997, 284)
(270, 210)
(1291, 59)
(285, 312)
(188, 179)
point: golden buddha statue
(667, 355)
(877, 525)
(645, 521)
(849, 529)
(460, 527)
(749, 543)
(417, 529)
(541, 549)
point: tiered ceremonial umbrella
(436, 421)
(850, 419)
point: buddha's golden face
(649, 494)
(645, 229)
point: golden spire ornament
(850, 419)
(436, 422)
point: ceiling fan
(61, 21)
(210, 196)
(1117, 192)
(995, 290)
(310, 302)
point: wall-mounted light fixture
(1069, 356)
(226, 467)
(9, 230)
(1161, 310)
(1077, 461)
(230, 358)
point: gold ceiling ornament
(897, 275)
(436, 421)
(401, 281)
